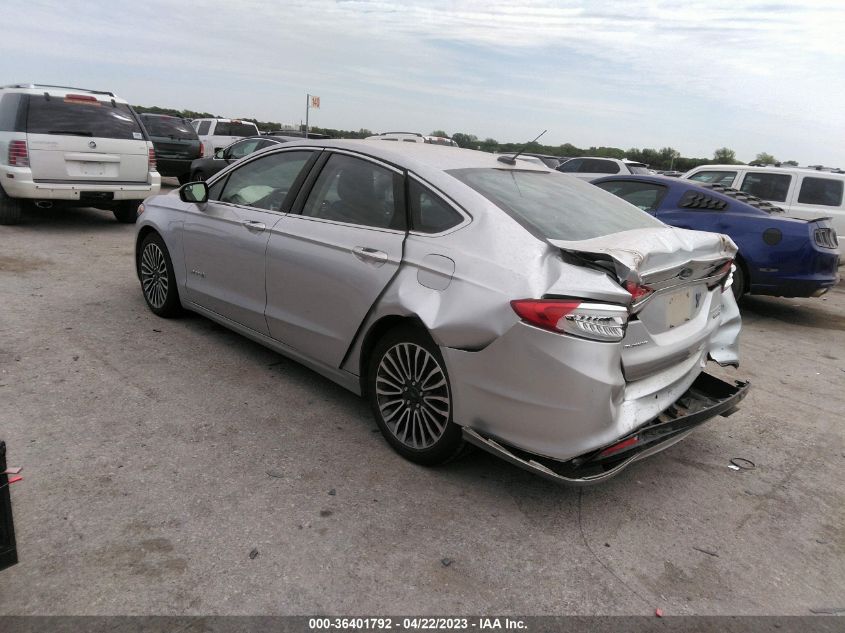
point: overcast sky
(753, 76)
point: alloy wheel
(154, 277)
(413, 395)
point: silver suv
(74, 147)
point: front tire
(10, 209)
(158, 282)
(184, 178)
(127, 212)
(411, 397)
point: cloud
(626, 73)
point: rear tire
(127, 212)
(158, 283)
(10, 209)
(184, 178)
(197, 176)
(411, 397)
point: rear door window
(356, 191)
(724, 178)
(571, 166)
(203, 128)
(9, 107)
(83, 116)
(767, 186)
(822, 191)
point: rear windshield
(555, 205)
(170, 127)
(638, 169)
(235, 128)
(101, 119)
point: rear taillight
(202, 149)
(597, 321)
(151, 162)
(18, 154)
(639, 293)
(722, 276)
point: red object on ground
(658, 612)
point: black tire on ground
(739, 282)
(411, 397)
(127, 211)
(158, 283)
(197, 176)
(10, 209)
(184, 178)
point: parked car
(778, 255)
(588, 168)
(73, 147)
(204, 168)
(216, 134)
(406, 137)
(802, 192)
(440, 140)
(176, 144)
(508, 306)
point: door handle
(254, 225)
(370, 255)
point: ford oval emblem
(685, 273)
(92, 144)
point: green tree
(791, 163)
(469, 141)
(765, 159)
(725, 156)
(489, 145)
(439, 133)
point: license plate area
(679, 307)
(93, 169)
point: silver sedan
(472, 299)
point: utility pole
(307, 108)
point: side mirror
(219, 154)
(196, 192)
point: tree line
(665, 158)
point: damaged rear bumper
(707, 397)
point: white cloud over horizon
(755, 76)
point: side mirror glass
(196, 192)
(219, 154)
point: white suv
(216, 134)
(803, 192)
(71, 146)
(589, 167)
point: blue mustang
(778, 255)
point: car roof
(776, 170)
(419, 156)
(62, 91)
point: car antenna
(511, 160)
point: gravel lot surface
(160, 454)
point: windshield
(235, 128)
(77, 117)
(555, 205)
(169, 126)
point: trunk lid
(72, 158)
(680, 271)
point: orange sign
(315, 102)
